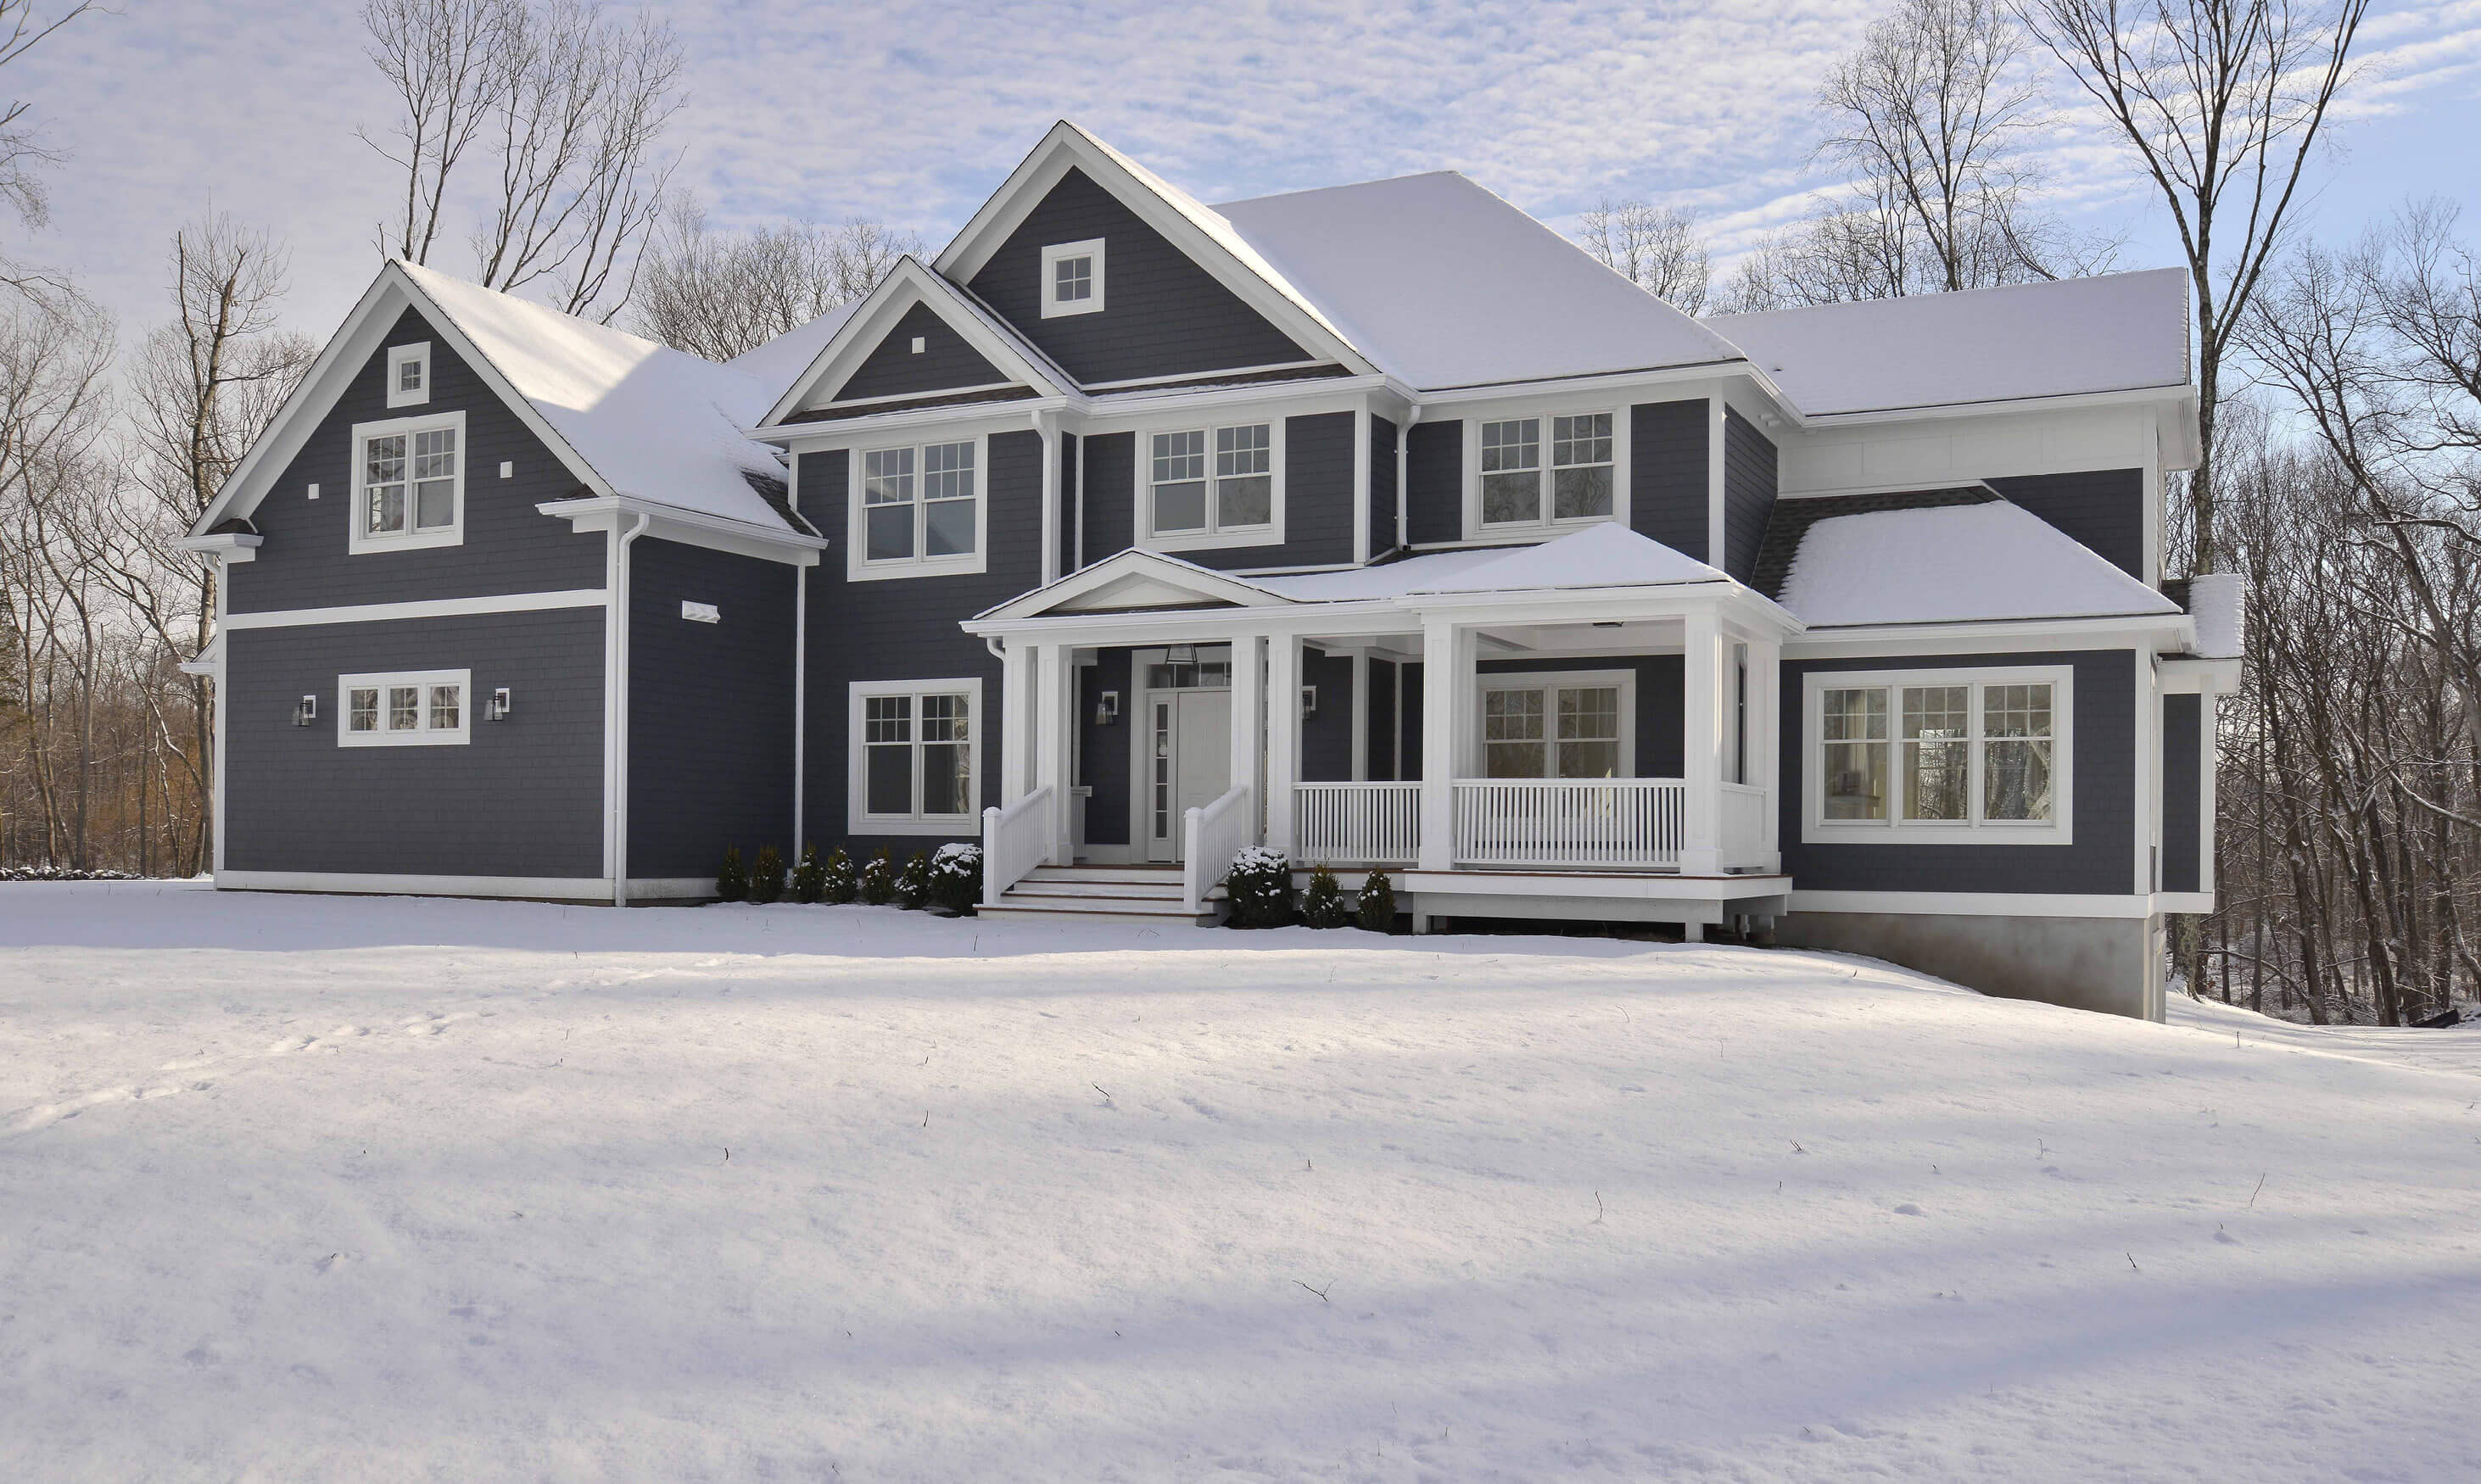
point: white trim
(1541, 410)
(398, 395)
(1980, 903)
(1547, 681)
(381, 735)
(1718, 479)
(424, 608)
(1361, 491)
(908, 284)
(2007, 636)
(1213, 538)
(1054, 307)
(858, 821)
(859, 568)
(387, 884)
(690, 528)
(359, 540)
(2058, 830)
(234, 547)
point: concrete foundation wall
(2106, 964)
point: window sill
(1214, 540)
(1518, 530)
(945, 566)
(420, 541)
(1924, 834)
(405, 740)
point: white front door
(1189, 763)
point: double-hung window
(1536, 727)
(920, 507)
(1941, 756)
(1547, 471)
(404, 709)
(1207, 484)
(408, 484)
(916, 756)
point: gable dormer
(1121, 279)
(915, 342)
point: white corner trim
(1052, 306)
(359, 541)
(1816, 829)
(858, 821)
(426, 608)
(377, 883)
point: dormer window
(1072, 278)
(408, 375)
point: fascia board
(2117, 397)
(908, 284)
(997, 416)
(2109, 631)
(691, 527)
(1207, 583)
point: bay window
(1951, 755)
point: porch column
(1052, 712)
(1248, 716)
(1015, 714)
(1446, 660)
(1283, 736)
(1766, 741)
(1705, 701)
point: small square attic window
(408, 375)
(1072, 278)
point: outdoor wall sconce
(1106, 709)
(1181, 654)
(1308, 700)
(305, 711)
(497, 709)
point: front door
(1188, 762)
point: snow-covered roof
(1955, 563)
(779, 360)
(1445, 285)
(655, 423)
(1605, 555)
(2119, 333)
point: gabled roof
(1445, 285)
(1135, 580)
(1955, 563)
(626, 416)
(858, 332)
(2119, 333)
(779, 360)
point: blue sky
(911, 113)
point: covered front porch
(1583, 729)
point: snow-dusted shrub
(877, 880)
(767, 876)
(838, 882)
(913, 883)
(1375, 912)
(1323, 905)
(1260, 886)
(809, 878)
(732, 882)
(956, 878)
(51, 872)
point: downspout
(1403, 489)
(800, 696)
(620, 705)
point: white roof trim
(1138, 570)
(393, 292)
(1210, 241)
(908, 284)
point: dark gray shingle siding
(1382, 487)
(524, 798)
(710, 709)
(1110, 493)
(1104, 750)
(1434, 482)
(892, 370)
(1164, 316)
(1326, 739)
(2104, 509)
(1381, 763)
(1318, 501)
(2104, 739)
(1667, 474)
(2183, 827)
(508, 546)
(1748, 493)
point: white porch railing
(1211, 835)
(1591, 823)
(1014, 840)
(1748, 825)
(1358, 823)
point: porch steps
(1099, 893)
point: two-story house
(1376, 523)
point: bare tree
(720, 294)
(23, 154)
(572, 108)
(1655, 247)
(2222, 101)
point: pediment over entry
(1137, 581)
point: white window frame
(426, 735)
(358, 540)
(1545, 413)
(2060, 829)
(1214, 536)
(1053, 307)
(859, 568)
(858, 819)
(1488, 681)
(418, 354)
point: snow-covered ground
(304, 1187)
